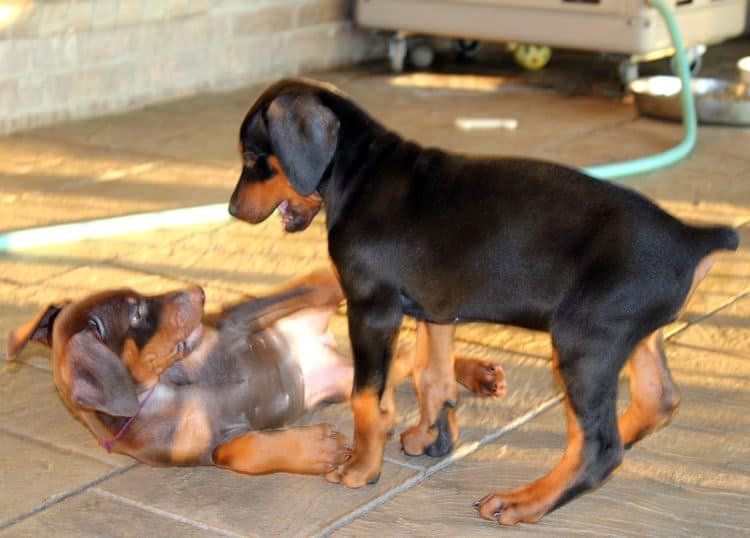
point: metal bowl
(744, 67)
(716, 101)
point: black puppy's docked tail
(706, 240)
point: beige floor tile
(639, 500)
(288, 505)
(727, 330)
(93, 515)
(32, 409)
(33, 474)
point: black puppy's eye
(249, 158)
(96, 324)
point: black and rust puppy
(153, 379)
(450, 238)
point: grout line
(162, 513)
(120, 149)
(460, 453)
(713, 312)
(578, 136)
(411, 466)
(59, 497)
(728, 352)
(59, 449)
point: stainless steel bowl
(716, 101)
(744, 67)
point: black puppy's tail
(706, 240)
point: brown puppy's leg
(477, 375)
(435, 382)
(653, 395)
(314, 449)
(481, 377)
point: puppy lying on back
(150, 378)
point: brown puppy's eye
(138, 310)
(96, 324)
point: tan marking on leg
(371, 426)
(653, 395)
(309, 450)
(530, 502)
(435, 383)
(701, 271)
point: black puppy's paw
(446, 431)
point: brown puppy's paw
(481, 377)
(510, 508)
(324, 449)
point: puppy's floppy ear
(38, 329)
(99, 378)
(303, 134)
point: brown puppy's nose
(193, 295)
(233, 208)
(199, 294)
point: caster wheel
(465, 48)
(421, 55)
(694, 58)
(397, 48)
(628, 72)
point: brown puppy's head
(287, 142)
(106, 345)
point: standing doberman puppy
(153, 382)
(449, 238)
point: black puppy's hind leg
(654, 397)
(588, 372)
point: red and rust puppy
(151, 380)
(448, 238)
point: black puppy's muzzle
(234, 201)
(233, 206)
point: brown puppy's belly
(327, 375)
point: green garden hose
(689, 120)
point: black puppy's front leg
(374, 323)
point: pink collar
(109, 443)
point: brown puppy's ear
(303, 134)
(38, 329)
(100, 379)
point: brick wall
(63, 59)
